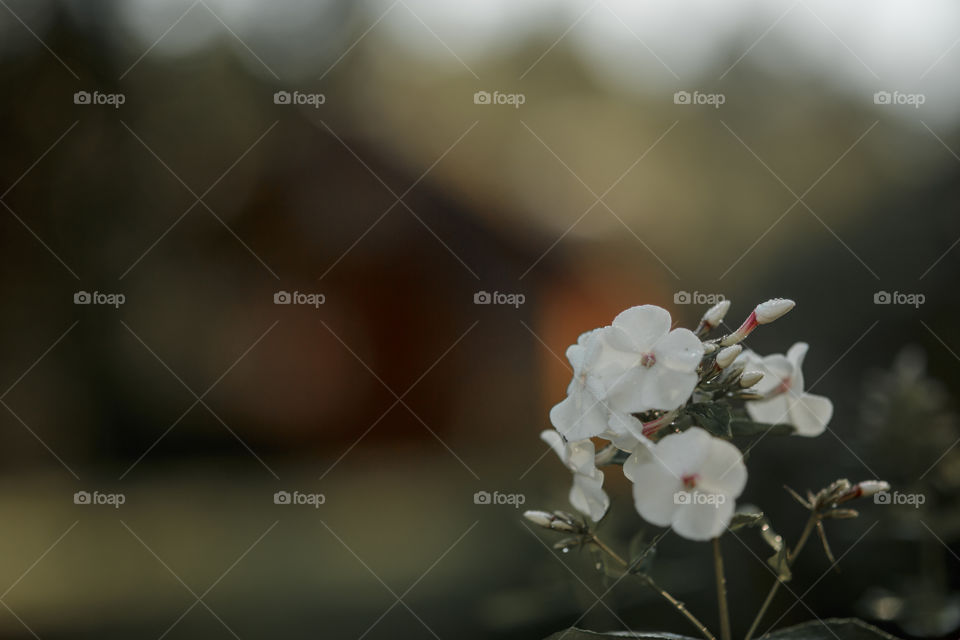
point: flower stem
(607, 550)
(791, 556)
(721, 590)
(679, 606)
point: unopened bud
(770, 310)
(765, 313)
(863, 489)
(870, 487)
(558, 521)
(714, 316)
(541, 518)
(709, 347)
(750, 378)
(727, 355)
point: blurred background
(174, 172)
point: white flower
(583, 413)
(644, 365)
(688, 481)
(634, 365)
(786, 401)
(586, 494)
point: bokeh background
(398, 194)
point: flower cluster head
(669, 403)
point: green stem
(721, 590)
(791, 556)
(679, 606)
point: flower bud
(540, 518)
(558, 521)
(727, 355)
(750, 378)
(843, 491)
(764, 313)
(868, 488)
(713, 317)
(709, 347)
(770, 310)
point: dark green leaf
(714, 417)
(751, 428)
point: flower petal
(773, 411)
(641, 455)
(653, 491)
(703, 519)
(555, 440)
(625, 390)
(810, 414)
(587, 495)
(581, 456)
(680, 350)
(667, 389)
(684, 453)
(723, 471)
(776, 369)
(795, 355)
(579, 416)
(644, 325)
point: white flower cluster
(643, 387)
